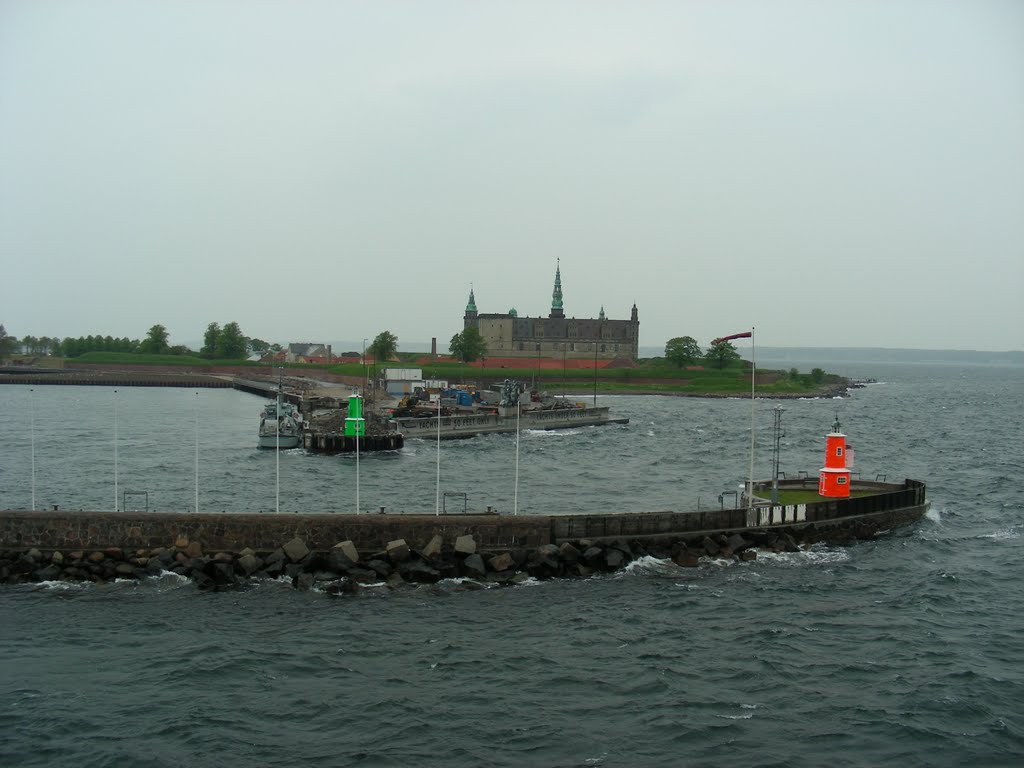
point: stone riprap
(342, 568)
(310, 548)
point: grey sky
(846, 173)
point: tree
(721, 354)
(468, 345)
(232, 343)
(384, 346)
(210, 339)
(155, 342)
(259, 346)
(7, 344)
(682, 351)
(29, 344)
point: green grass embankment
(643, 379)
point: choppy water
(904, 650)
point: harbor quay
(341, 552)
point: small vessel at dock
(454, 416)
(280, 425)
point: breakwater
(117, 378)
(218, 549)
(469, 425)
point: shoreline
(343, 551)
(223, 377)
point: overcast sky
(846, 173)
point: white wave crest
(1003, 535)
(552, 432)
(816, 555)
(646, 564)
(63, 586)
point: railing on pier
(908, 495)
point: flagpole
(437, 492)
(753, 371)
(358, 425)
(515, 496)
(115, 450)
(196, 419)
(32, 411)
(277, 451)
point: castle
(555, 336)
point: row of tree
(466, 346)
(228, 343)
(684, 350)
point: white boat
(280, 426)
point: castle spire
(471, 306)
(556, 295)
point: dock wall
(233, 532)
(484, 423)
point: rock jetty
(344, 569)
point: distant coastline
(813, 354)
(886, 355)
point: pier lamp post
(115, 450)
(32, 416)
(777, 435)
(364, 367)
(277, 452)
(564, 345)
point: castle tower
(834, 477)
(470, 319)
(556, 295)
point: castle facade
(555, 336)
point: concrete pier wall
(233, 532)
(260, 532)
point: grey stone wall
(260, 532)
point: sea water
(902, 650)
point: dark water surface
(904, 650)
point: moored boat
(280, 426)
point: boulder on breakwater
(343, 569)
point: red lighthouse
(834, 478)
